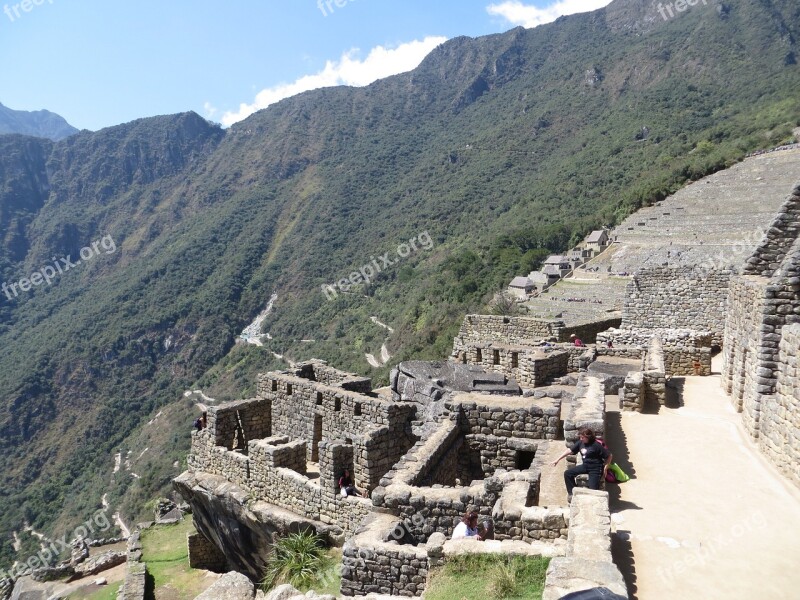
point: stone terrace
(725, 212)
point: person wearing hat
(576, 341)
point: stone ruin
(472, 433)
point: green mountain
(496, 150)
(38, 123)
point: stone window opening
(357, 409)
(319, 398)
(495, 357)
(478, 355)
(274, 385)
(288, 389)
(337, 406)
(515, 360)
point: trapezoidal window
(288, 389)
(337, 405)
(319, 398)
(357, 409)
(514, 360)
(478, 355)
(495, 357)
(274, 385)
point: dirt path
(705, 515)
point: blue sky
(101, 63)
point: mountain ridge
(37, 123)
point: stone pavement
(704, 515)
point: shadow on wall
(674, 396)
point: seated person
(347, 486)
(576, 341)
(468, 528)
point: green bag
(618, 473)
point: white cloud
(210, 110)
(348, 70)
(526, 15)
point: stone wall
(318, 370)
(133, 588)
(588, 563)
(678, 297)
(654, 375)
(508, 417)
(526, 331)
(205, 555)
(780, 238)
(743, 333)
(588, 409)
(761, 302)
(515, 514)
(374, 563)
(236, 423)
(632, 394)
(511, 330)
(680, 362)
(312, 411)
(530, 367)
(640, 338)
(779, 437)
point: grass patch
(108, 592)
(488, 577)
(165, 552)
(302, 560)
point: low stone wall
(680, 362)
(588, 332)
(779, 437)
(630, 352)
(588, 563)
(511, 330)
(670, 338)
(205, 555)
(529, 367)
(133, 588)
(515, 515)
(632, 394)
(318, 370)
(654, 375)
(374, 563)
(588, 409)
(508, 417)
(6, 588)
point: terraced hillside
(715, 222)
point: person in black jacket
(596, 459)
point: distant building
(557, 262)
(521, 287)
(545, 278)
(597, 241)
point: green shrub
(298, 559)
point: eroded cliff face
(243, 530)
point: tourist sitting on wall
(596, 460)
(347, 486)
(576, 341)
(468, 528)
(201, 422)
